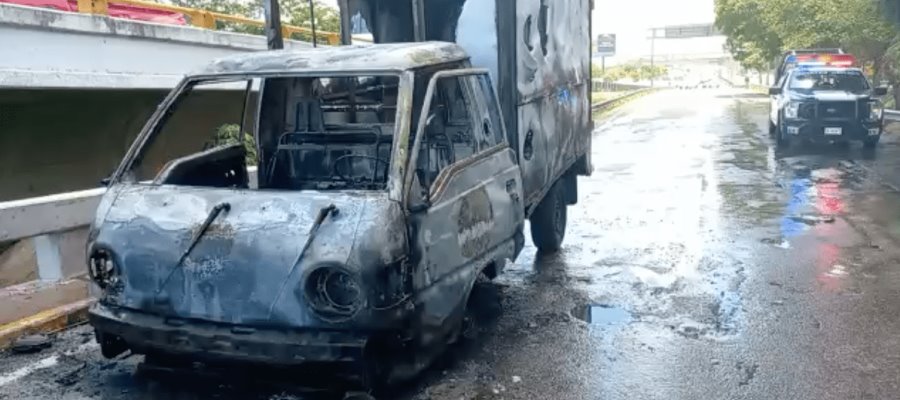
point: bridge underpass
(75, 89)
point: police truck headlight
(791, 110)
(875, 111)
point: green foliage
(633, 72)
(293, 12)
(749, 37)
(229, 134)
(758, 31)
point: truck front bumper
(143, 333)
(825, 131)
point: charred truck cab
(345, 211)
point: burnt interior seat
(310, 152)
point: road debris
(31, 344)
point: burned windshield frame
(167, 108)
(326, 132)
(158, 120)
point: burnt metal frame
(401, 128)
(420, 133)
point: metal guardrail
(892, 115)
(599, 85)
(603, 104)
(200, 18)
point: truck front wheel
(872, 142)
(548, 222)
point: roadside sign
(606, 44)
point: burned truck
(360, 191)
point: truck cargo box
(539, 55)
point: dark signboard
(606, 44)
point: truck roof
(371, 57)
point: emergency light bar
(827, 60)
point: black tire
(548, 222)
(872, 142)
(781, 138)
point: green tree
(749, 37)
(229, 134)
(758, 31)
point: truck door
(464, 188)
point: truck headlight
(333, 293)
(102, 268)
(791, 110)
(875, 111)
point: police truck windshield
(845, 81)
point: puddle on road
(601, 315)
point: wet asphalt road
(700, 263)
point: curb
(48, 321)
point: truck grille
(837, 109)
(807, 111)
(865, 108)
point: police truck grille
(837, 109)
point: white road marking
(43, 363)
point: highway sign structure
(685, 31)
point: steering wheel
(336, 171)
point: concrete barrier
(56, 228)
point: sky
(631, 20)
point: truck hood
(242, 270)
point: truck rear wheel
(548, 222)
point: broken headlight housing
(333, 293)
(102, 268)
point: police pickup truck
(825, 99)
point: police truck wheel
(548, 222)
(781, 137)
(871, 143)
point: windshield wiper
(324, 212)
(213, 214)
